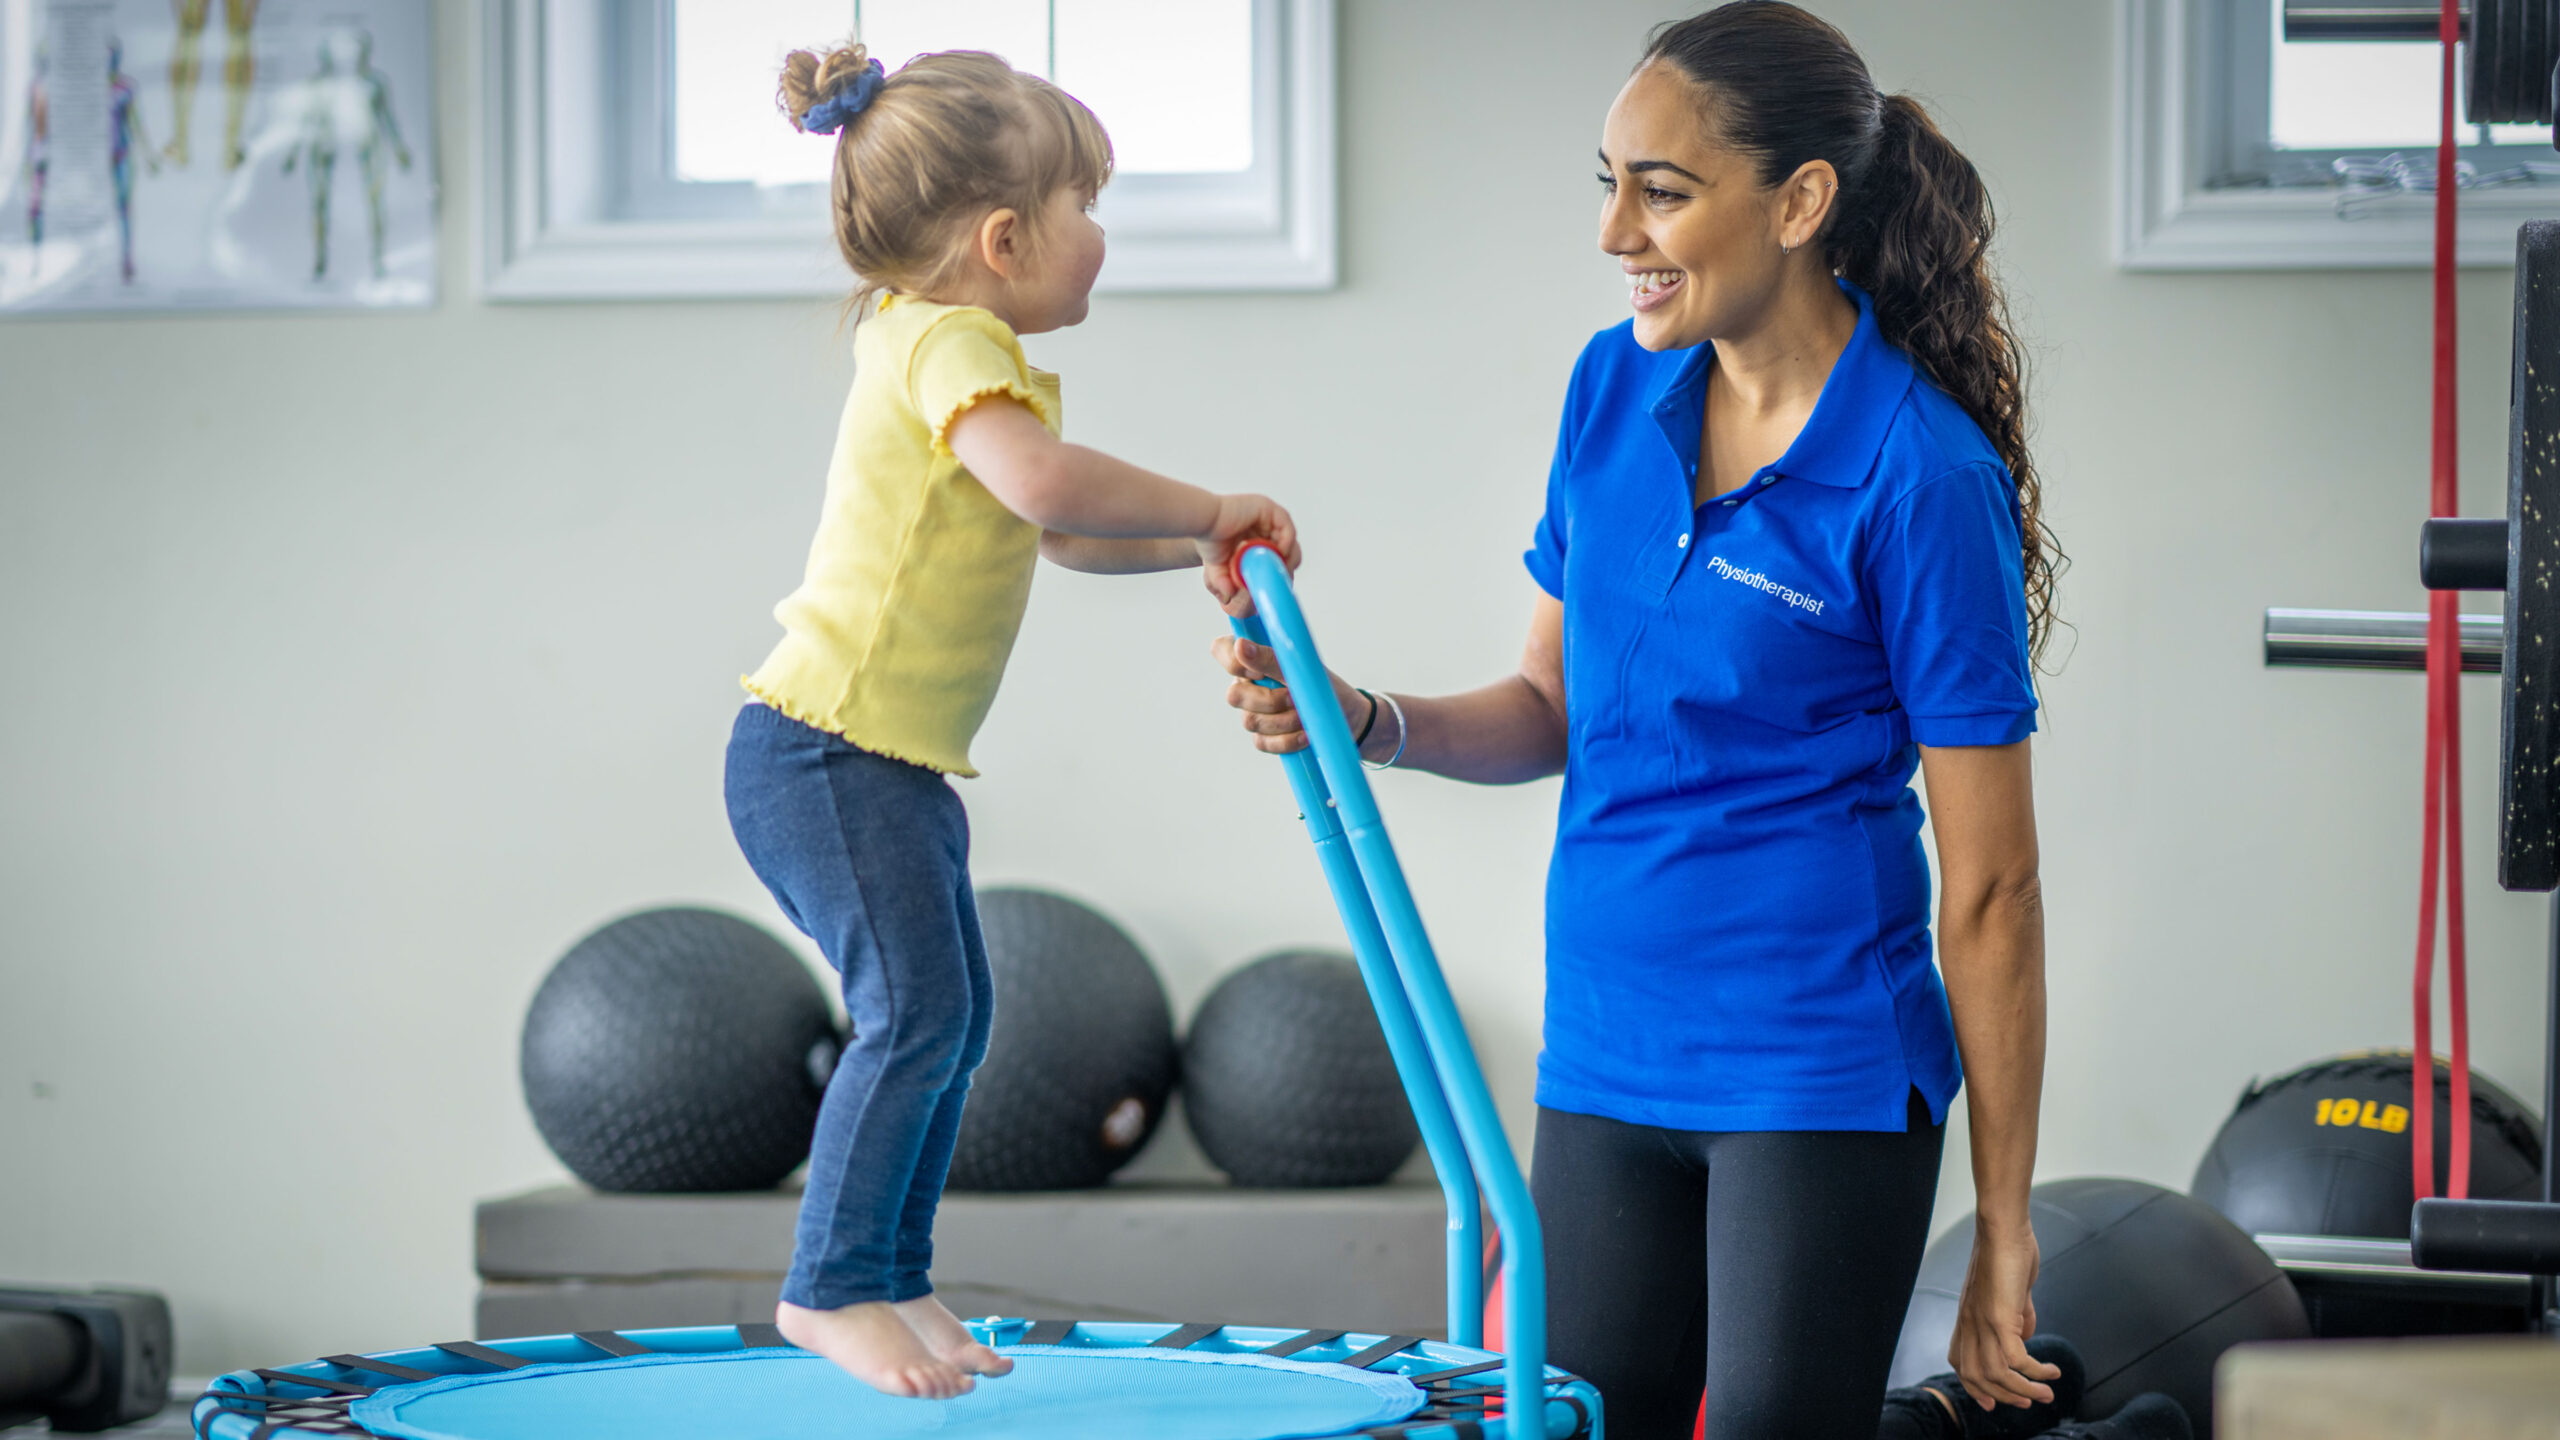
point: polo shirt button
(1728, 502)
(1684, 540)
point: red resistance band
(2442, 825)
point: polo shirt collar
(1840, 443)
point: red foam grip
(1235, 562)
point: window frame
(574, 210)
(2179, 131)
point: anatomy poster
(215, 154)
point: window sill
(2199, 229)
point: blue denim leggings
(870, 858)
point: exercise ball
(1286, 1077)
(2152, 1286)
(2325, 1150)
(1082, 1056)
(678, 1050)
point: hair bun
(823, 93)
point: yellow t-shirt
(918, 576)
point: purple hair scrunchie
(837, 111)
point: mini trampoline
(1072, 1380)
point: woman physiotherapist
(1791, 551)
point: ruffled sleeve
(965, 357)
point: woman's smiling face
(1687, 218)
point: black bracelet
(1366, 725)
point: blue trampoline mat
(1054, 1392)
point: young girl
(960, 195)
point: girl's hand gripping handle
(1235, 574)
(1270, 711)
(1243, 521)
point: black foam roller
(40, 1356)
(2507, 1237)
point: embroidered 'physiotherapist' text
(1758, 581)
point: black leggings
(1808, 1240)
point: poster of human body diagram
(193, 154)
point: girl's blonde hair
(946, 139)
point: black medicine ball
(1082, 1056)
(2150, 1285)
(1287, 1080)
(2325, 1150)
(678, 1050)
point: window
(2241, 149)
(635, 149)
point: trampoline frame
(314, 1397)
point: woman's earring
(1785, 249)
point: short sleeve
(1948, 585)
(1545, 557)
(963, 358)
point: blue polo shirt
(1738, 904)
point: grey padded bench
(564, 1258)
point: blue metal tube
(1461, 1079)
(1404, 1038)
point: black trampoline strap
(473, 1350)
(763, 1337)
(1393, 1344)
(316, 1382)
(1047, 1332)
(1459, 1407)
(1303, 1340)
(612, 1344)
(383, 1368)
(1427, 1423)
(1184, 1338)
(1454, 1372)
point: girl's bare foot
(872, 1343)
(944, 1335)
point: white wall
(352, 666)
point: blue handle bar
(1405, 1041)
(1450, 1102)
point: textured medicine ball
(678, 1049)
(1082, 1055)
(2325, 1149)
(1287, 1080)
(2150, 1285)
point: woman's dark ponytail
(1912, 226)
